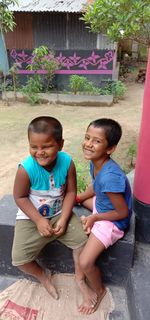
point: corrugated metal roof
(49, 5)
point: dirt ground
(14, 120)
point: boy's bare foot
(87, 308)
(90, 298)
(45, 280)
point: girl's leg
(87, 293)
(44, 278)
(91, 251)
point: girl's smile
(95, 144)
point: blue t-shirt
(47, 189)
(111, 178)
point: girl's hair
(112, 129)
(48, 125)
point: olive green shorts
(28, 242)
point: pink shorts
(106, 231)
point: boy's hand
(44, 227)
(87, 223)
(60, 227)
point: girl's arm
(21, 196)
(69, 200)
(121, 211)
(87, 194)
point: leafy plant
(128, 19)
(115, 88)
(7, 22)
(43, 59)
(32, 88)
(13, 71)
(82, 175)
(132, 151)
(76, 83)
(118, 89)
(82, 84)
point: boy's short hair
(47, 125)
(112, 128)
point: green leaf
(112, 16)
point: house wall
(79, 51)
(22, 36)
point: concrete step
(115, 262)
(138, 286)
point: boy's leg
(27, 245)
(43, 277)
(91, 251)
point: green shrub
(82, 84)
(83, 177)
(32, 88)
(43, 59)
(118, 89)
(132, 151)
(115, 88)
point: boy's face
(44, 148)
(95, 145)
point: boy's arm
(21, 193)
(69, 200)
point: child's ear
(61, 144)
(111, 150)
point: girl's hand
(60, 227)
(87, 223)
(44, 227)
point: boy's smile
(95, 145)
(44, 148)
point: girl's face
(95, 145)
(44, 148)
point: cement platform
(125, 266)
(115, 266)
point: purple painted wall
(73, 62)
(96, 65)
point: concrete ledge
(115, 262)
(69, 99)
(142, 212)
(84, 100)
(138, 285)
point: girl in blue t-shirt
(108, 197)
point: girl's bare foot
(90, 298)
(45, 280)
(88, 308)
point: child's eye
(97, 141)
(86, 138)
(47, 147)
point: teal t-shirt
(47, 189)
